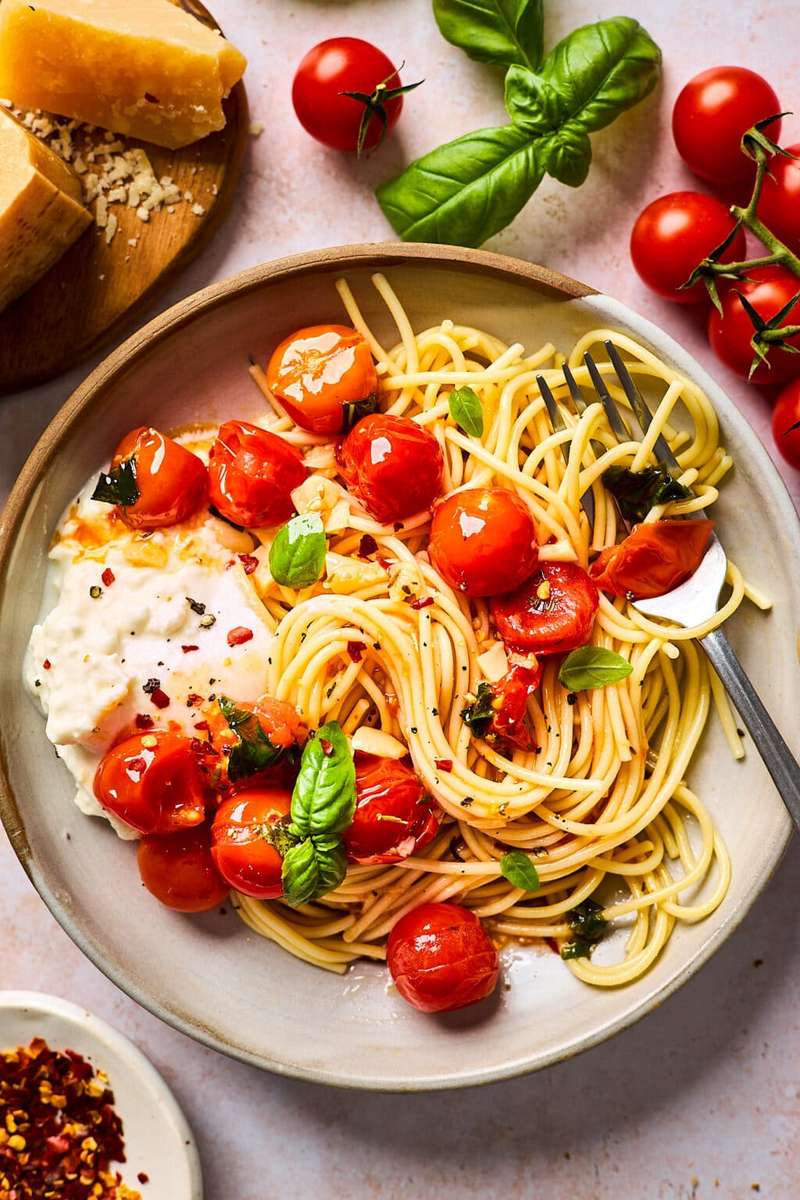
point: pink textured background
(702, 1099)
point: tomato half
(768, 289)
(552, 613)
(392, 465)
(652, 559)
(253, 473)
(317, 372)
(779, 202)
(153, 781)
(394, 817)
(172, 482)
(440, 958)
(710, 115)
(483, 541)
(675, 233)
(179, 871)
(246, 841)
(338, 65)
(510, 718)
(785, 414)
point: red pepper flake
(202, 726)
(327, 747)
(249, 562)
(144, 721)
(46, 665)
(443, 764)
(160, 698)
(386, 563)
(189, 649)
(239, 635)
(421, 602)
(192, 700)
(367, 546)
(142, 1177)
(108, 577)
(137, 765)
(355, 650)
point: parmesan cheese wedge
(41, 213)
(148, 69)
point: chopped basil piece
(118, 486)
(254, 751)
(518, 869)
(353, 412)
(593, 667)
(588, 928)
(479, 714)
(636, 492)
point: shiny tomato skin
(394, 817)
(675, 233)
(483, 541)
(243, 855)
(510, 720)
(710, 115)
(316, 371)
(153, 781)
(172, 482)
(779, 202)
(785, 414)
(343, 64)
(392, 465)
(440, 958)
(253, 473)
(554, 623)
(179, 871)
(652, 559)
(768, 289)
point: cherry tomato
(652, 559)
(711, 114)
(392, 465)
(510, 718)
(339, 65)
(675, 233)
(317, 372)
(253, 474)
(483, 541)
(768, 289)
(785, 414)
(246, 841)
(440, 958)
(552, 613)
(280, 722)
(153, 781)
(779, 202)
(179, 871)
(394, 816)
(172, 482)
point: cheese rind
(149, 69)
(41, 213)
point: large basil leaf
(312, 868)
(465, 191)
(324, 796)
(297, 556)
(494, 31)
(593, 667)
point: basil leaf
(118, 486)
(297, 556)
(637, 491)
(588, 927)
(356, 409)
(593, 667)
(532, 102)
(494, 31)
(312, 868)
(254, 751)
(466, 410)
(465, 191)
(518, 869)
(324, 796)
(479, 714)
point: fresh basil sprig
(118, 486)
(297, 556)
(518, 869)
(466, 410)
(593, 667)
(254, 751)
(637, 491)
(501, 32)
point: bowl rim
(77, 409)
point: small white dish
(158, 1140)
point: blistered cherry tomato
(172, 482)
(153, 781)
(652, 559)
(179, 871)
(317, 372)
(552, 613)
(779, 202)
(483, 541)
(712, 112)
(675, 233)
(785, 415)
(394, 817)
(253, 473)
(392, 465)
(510, 720)
(768, 289)
(281, 723)
(246, 842)
(440, 958)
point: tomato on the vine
(253, 473)
(483, 541)
(322, 374)
(779, 202)
(440, 958)
(394, 817)
(247, 846)
(786, 415)
(768, 289)
(179, 871)
(675, 233)
(172, 483)
(393, 465)
(711, 114)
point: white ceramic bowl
(211, 977)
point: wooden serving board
(95, 288)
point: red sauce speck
(239, 635)
(327, 747)
(355, 650)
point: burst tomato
(392, 465)
(247, 843)
(179, 871)
(440, 958)
(510, 720)
(483, 541)
(785, 415)
(317, 372)
(253, 473)
(653, 559)
(279, 720)
(712, 112)
(552, 613)
(393, 816)
(153, 781)
(779, 202)
(675, 233)
(768, 289)
(172, 482)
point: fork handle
(778, 758)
